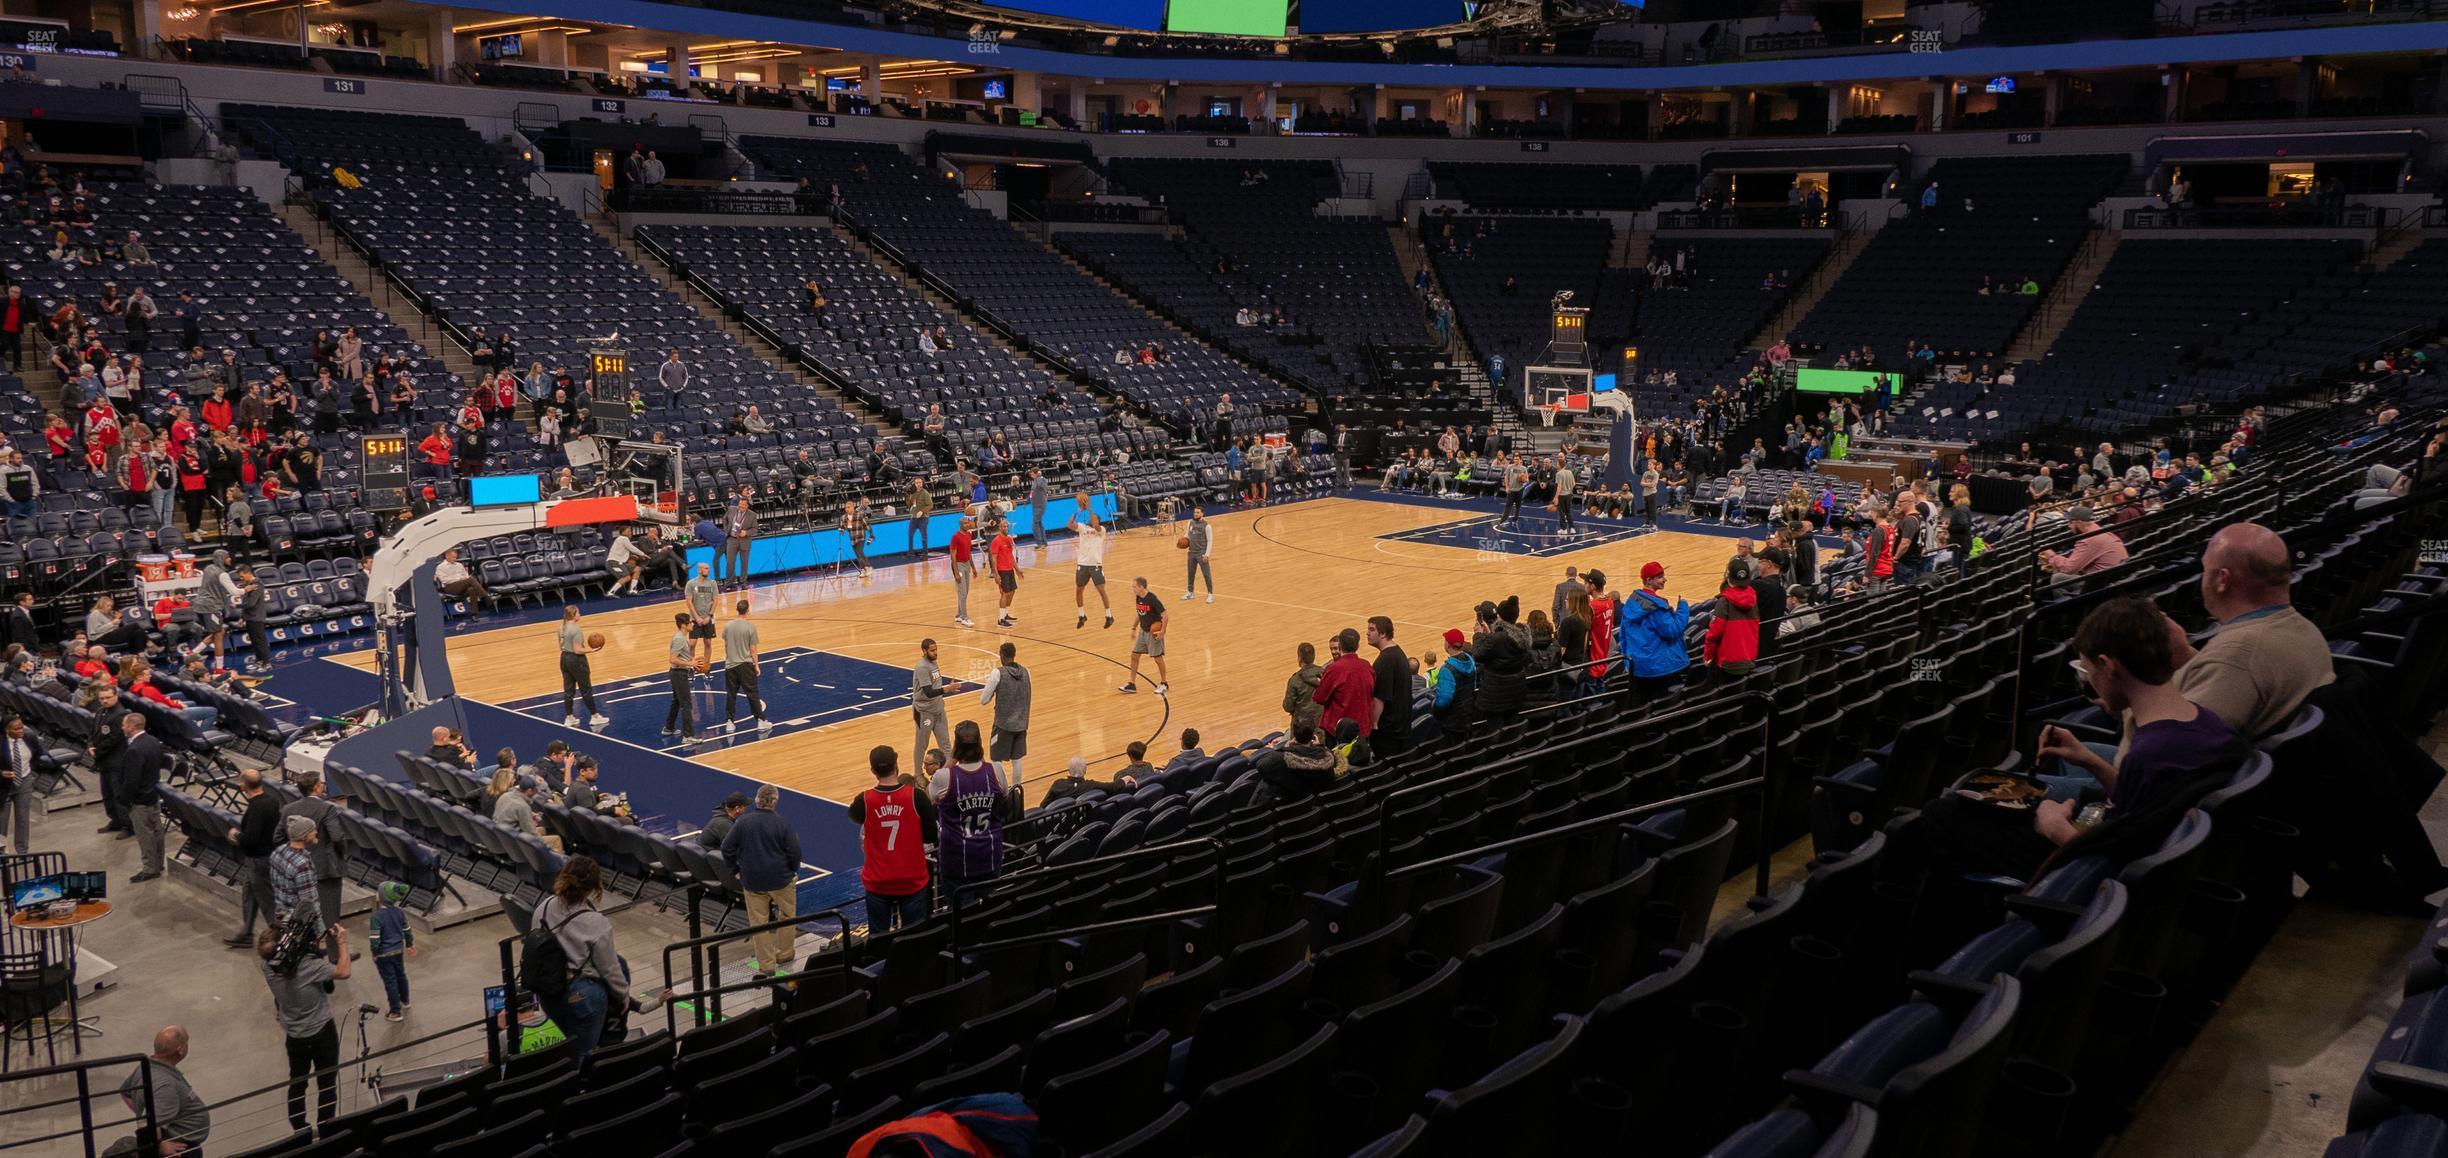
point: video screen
(1142, 14)
(1228, 17)
(996, 90)
(83, 886)
(1378, 15)
(505, 490)
(34, 891)
(1847, 382)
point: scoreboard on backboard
(384, 470)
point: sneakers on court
(1006, 621)
(1211, 597)
(964, 621)
(1186, 596)
(1083, 620)
(1161, 688)
(1109, 619)
(1130, 689)
(598, 720)
(671, 731)
(569, 721)
(764, 725)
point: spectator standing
(257, 835)
(323, 857)
(763, 853)
(293, 875)
(1345, 688)
(896, 822)
(1390, 735)
(672, 375)
(1959, 531)
(1008, 692)
(1652, 633)
(972, 804)
(1300, 691)
(18, 761)
(394, 945)
(1564, 593)
(1733, 631)
(141, 765)
(596, 976)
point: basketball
(703, 666)
(595, 639)
(1183, 542)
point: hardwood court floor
(1284, 574)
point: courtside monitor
(505, 490)
(34, 891)
(86, 886)
(1851, 383)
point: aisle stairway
(1849, 245)
(2065, 297)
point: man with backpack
(1907, 534)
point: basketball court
(838, 648)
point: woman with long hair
(577, 674)
(971, 804)
(597, 978)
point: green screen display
(1809, 381)
(1230, 17)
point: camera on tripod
(300, 936)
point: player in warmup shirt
(895, 821)
(740, 667)
(1006, 571)
(1091, 563)
(680, 718)
(701, 593)
(963, 566)
(1148, 640)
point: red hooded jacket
(1733, 638)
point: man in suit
(102, 752)
(141, 767)
(324, 854)
(20, 760)
(19, 622)
(739, 529)
(1564, 593)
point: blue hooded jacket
(1651, 634)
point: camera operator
(301, 982)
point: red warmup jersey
(960, 546)
(894, 842)
(1001, 548)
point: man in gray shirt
(1008, 691)
(701, 592)
(178, 1113)
(927, 704)
(1038, 495)
(680, 719)
(1196, 554)
(516, 810)
(301, 996)
(1565, 485)
(740, 667)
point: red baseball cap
(1453, 637)
(1652, 570)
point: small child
(394, 944)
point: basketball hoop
(1547, 416)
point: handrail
(148, 1135)
(710, 961)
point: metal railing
(147, 1127)
(705, 960)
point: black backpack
(544, 966)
